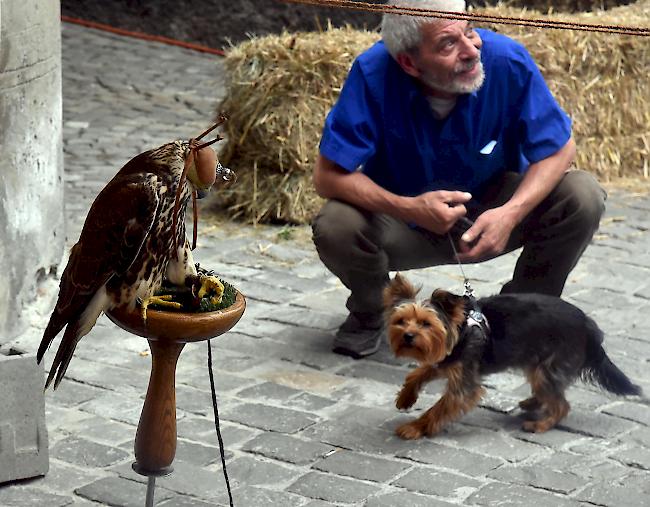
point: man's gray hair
(402, 33)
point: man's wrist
(514, 212)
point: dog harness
(475, 319)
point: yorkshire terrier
(460, 339)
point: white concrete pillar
(31, 160)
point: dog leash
(475, 317)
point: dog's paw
(406, 399)
(530, 404)
(536, 426)
(410, 431)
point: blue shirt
(383, 124)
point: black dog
(553, 342)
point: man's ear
(407, 62)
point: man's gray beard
(455, 86)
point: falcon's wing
(115, 229)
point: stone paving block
(195, 374)
(198, 454)
(196, 401)
(23, 432)
(438, 483)
(82, 452)
(459, 460)
(118, 492)
(184, 501)
(539, 477)
(492, 443)
(359, 466)
(297, 316)
(368, 393)
(107, 377)
(258, 291)
(103, 430)
(65, 478)
(613, 495)
(255, 471)
(59, 418)
(595, 424)
(588, 397)
(74, 394)
(118, 406)
(555, 438)
(285, 448)
(203, 429)
(250, 496)
(186, 479)
(263, 348)
(289, 280)
(269, 418)
(638, 481)
(309, 402)
(491, 419)
(268, 391)
(405, 498)
(641, 436)
(599, 468)
(260, 328)
(637, 457)
(505, 495)
(375, 371)
(632, 411)
(332, 488)
(284, 253)
(319, 503)
(359, 429)
(331, 302)
(18, 496)
(298, 376)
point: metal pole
(151, 486)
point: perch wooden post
(167, 333)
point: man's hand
(489, 235)
(437, 211)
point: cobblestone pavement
(302, 426)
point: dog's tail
(599, 368)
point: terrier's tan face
(416, 331)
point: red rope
(143, 36)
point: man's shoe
(360, 335)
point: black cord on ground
(216, 422)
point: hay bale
(601, 80)
(546, 6)
(280, 88)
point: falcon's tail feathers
(77, 328)
(53, 328)
(63, 355)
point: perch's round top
(179, 326)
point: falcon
(132, 239)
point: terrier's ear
(399, 289)
(446, 301)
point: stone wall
(31, 161)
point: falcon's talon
(162, 300)
(211, 284)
